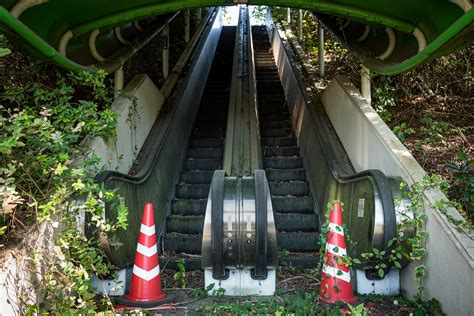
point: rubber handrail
(217, 225)
(261, 226)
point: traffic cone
(145, 289)
(335, 278)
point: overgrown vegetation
(428, 108)
(43, 120)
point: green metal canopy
(389, 37)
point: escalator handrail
(261, 225)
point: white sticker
(229, 222)
(360, 208)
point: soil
(290, 282)
(149, 59)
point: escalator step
(293, 204)
(285, 174)
(268, 102)
(269, 83)
(276, 92)
(275, 117)
(192, 191)
(206, 143)
(263, 56)
(197, 177)
(293, 188)
(271, 108)
(276, 132)
(202, 164)
(283, 163)
(276, 124)
(268, 76)
(263, 73)
(278, 141)
(188, 206)
(208, 133)
(205, 153)
(298, 241)
(212, 112)
(296, 222)
(180, 243)
(292, 151)
(268, 108)
(203, 124)
(185, 224)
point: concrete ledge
(370, 144)
(138, 108)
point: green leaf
(5, 52)
(381, 273)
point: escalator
(203, 156)
(248, 171)
(295, 217)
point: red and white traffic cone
(335, 278)
(145, 289)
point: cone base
(349, 300)
(127, 301)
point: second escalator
(293, 205)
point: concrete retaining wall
(137, 109)
(370, 144)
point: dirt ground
(291, 282)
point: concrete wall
(138, 108)
(370, 144)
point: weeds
(464, 177)
(4, 51)
(180, 275)
(434, 130)
(41, 125)
(386, 94)
(402, 131)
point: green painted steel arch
(387, 36)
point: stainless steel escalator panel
(239, 228)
